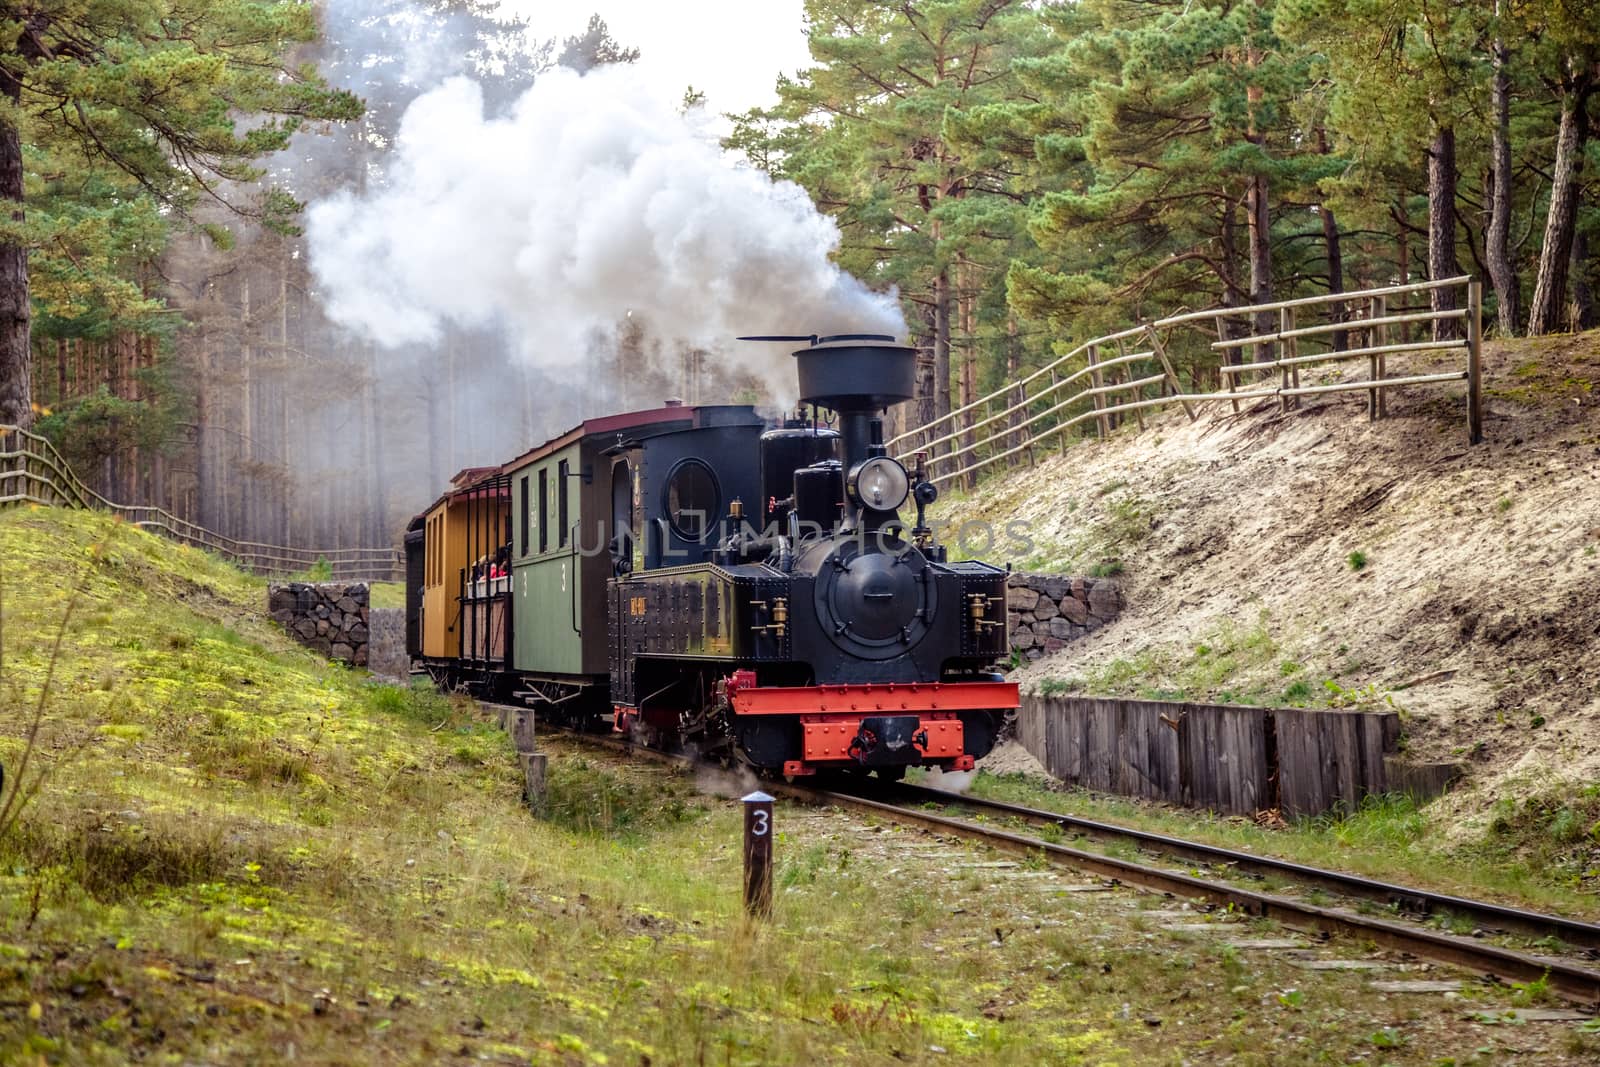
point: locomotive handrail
(47, 480)
(1030, 412)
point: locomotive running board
(751, 699)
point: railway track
(1409, 901)
(1570, 975)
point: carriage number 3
(760, 819)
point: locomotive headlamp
(880, 483)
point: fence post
(1098, 381)
(1172, 375)
(1127, 376)
(1061, 438)
(1224, 360)
(1377, 404)
(1289, 376)
(758, 855)
(535, 777)
(1474, 362)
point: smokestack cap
(856, 375)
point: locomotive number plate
(636, 606)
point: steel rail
(1485, 914)
(1562, 977)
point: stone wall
(327, 617)
(1046, 611)
(386, 655)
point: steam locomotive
(694, 576)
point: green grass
(238, 850)
(1231, 663)
(1223, 666)
(240, 853)
(388, 595)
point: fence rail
(33, 472)
(1260, 349)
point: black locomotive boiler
(753, 591)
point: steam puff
(590, 199)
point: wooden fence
(1129, 372)
(1225, 758)
(33, 472)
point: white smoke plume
(591, 199)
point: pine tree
(152, 89)
(867, 131)
(1178, 121)
(1569, 33)
(1405, 75)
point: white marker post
(758, 855)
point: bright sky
(732, 50)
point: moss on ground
(1230, 663)
(237, 853)
(388, 595)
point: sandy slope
(1481, 575)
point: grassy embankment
(1538, 847)
(1319, 560)
(234, 851)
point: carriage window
(693, 501)
(544, 510)
(526, 515)
(561, 502)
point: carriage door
(623, 529)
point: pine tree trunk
(16, 388)
(281, 424)
(377, 519)
(925, 402)
(1402, 264)
(1261, 257)
(1442, 261)
(451, 399)
(1497, 240)
(1017, 394)
(1335, 248)
(941, 350)
(204, 461)
(1231, 296)
(969, 379)
(246, 477)
(1583, 313)
(1548, 309)
(1257, 210)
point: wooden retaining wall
(1237, 760)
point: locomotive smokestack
(857, 376)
